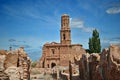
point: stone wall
(3, 75)
(2, 59)
(16, 64)
(104, 66)
(11, 60)
(60, 55)
(110, 67)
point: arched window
(64, 36)
(53, 51)
(53, 65)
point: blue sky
(32, 23)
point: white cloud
(113, 10)
(88, 29)
(105, 41)
(78, 23)
(110, 41)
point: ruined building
(59, 54)
(15, 64)
(103, 66)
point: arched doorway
(53, 65)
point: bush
(34, 63)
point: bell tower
(65, 32)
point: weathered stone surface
(11, 60)
(3, 75)
(16, 64)
(89, 67)
(3, 52)
(94, 72)
(104, 66)
(13, 73)
(83, 67)
(110, 63)
(2, 59)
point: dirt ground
(37, 74)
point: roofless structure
(59, 54)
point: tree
(94, 42)
(34, 63)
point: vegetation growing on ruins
(33, 64)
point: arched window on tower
(64, 36)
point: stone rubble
(16, 64)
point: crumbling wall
(94, 60)
(3, 75)
(89, 67)
(16, 64)
(113, 63)
(13, 73)
(104, 66)
(11, 60)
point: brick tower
(59, 54)
(65, 32)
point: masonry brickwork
(59, 54)
(15, 64)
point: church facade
(59, 54)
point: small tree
(34, 63)
(94, 42)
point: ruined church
(59, 54)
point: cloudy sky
(32, 23)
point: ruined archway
(53, 65)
